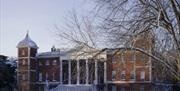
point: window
(47, 62)
(53, 76)
(23, 52)
(23, 62)
(133, 75)
(113, 59)
(122, 89)
(23, 77)
(40, 76)
(143, 45)
(113, 75)
(54, 62)
(123, 75)
(40, 89)
(143, 57)
(113, 88)
(142, 75)
(142, 88)
(47, 75)
(134, 55)
(40, 63)
(122, 56)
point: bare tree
(79, 31)
(124, 20)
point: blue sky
(37, 16)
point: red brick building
(129, 69)
(118, 68)
(34, 69)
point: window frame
(142, 75)
(23, 53)
(113, 75)
(40, 76)
(47, 62)
(23, 62)
(133, 76)
(123, 75)
(54, 62)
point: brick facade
(124, 67)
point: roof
(51, 54)
(27, 42)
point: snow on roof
(27, 42)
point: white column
(61, 71)
(87, 72)
(78, 72)
(105, 71)
(96, 72)
(69, 70)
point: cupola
(27, 42)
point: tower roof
(27, 42)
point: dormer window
(54, 62)
(47, 62)
(23, 52)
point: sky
(39, 17)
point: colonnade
(78, 71)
